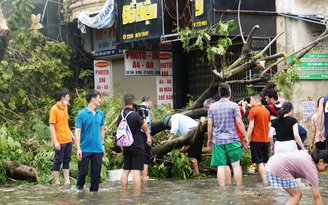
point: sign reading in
(141, 62)
(104, 42)
(314, 66)
(165, 81)
(102, 76)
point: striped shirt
(223, 114)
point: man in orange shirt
(62, 137)
(258, 129)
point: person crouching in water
(283, 168)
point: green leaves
(203, 39)
(286, 80)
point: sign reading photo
(102, 76)
(141, 63)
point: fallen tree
(226, 73)
(20, 171)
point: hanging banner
(104, 19)
(102, 76)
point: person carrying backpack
(133, 156)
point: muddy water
(203, 191)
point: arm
(250, 129)
(316, 196)
(313, 132)
(210, 132)
(53, 136)
(320, 115)
(297, 136)
(171, 137)
(241, 128)
(271, 132)
(102, 133)
(144, 128)
(77, 142)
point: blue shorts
(277, 182)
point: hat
(166, 120)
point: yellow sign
(139, 12)
(199, 7)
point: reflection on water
(204, 191)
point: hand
(73, 139)
(104, 153)
(312, 147)
(163, 142)
(79, 154)
(246, 143)
(57, 146)
(210, 144)
(320, 136)
(149, 141)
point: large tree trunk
(20, 171)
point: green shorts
(220, 153)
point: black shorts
(146, 149)
(133, 159)
(320, 145)
(259, 152)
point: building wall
(136, 85)
(298, 34)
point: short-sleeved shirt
(182, 124)
(59, 117)
(284, 128)
(135, 122)
(261, 118)
(90, 123)
(299, 164)
(314, 122)
(223, 114)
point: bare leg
(145, 173)
(136, 179)
(66, 176)
(194, 165)
(56, 177)
(124, 179)
(237, 173)
(221, 175)
(295, 196)
(227, 173)
(261, 170)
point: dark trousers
(83, 165)
(63, 156)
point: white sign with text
(165, 81)
(102, 76)
(141, 63)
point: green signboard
(314, 66)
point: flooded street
(204, 191)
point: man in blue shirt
(89, 137)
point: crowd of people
(272, 124)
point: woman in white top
(286, 128)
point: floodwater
(193, 191)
